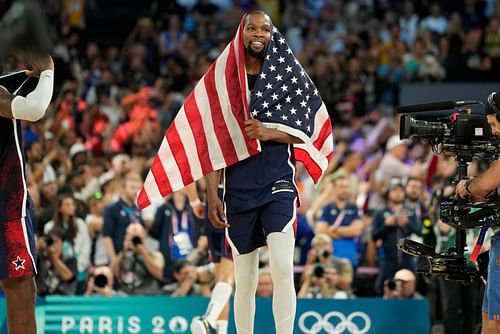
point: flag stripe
(179, 153)
(220, 126)
(170, 166)
(312, 167)
(195, 121)
(160, 176)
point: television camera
(463, 135)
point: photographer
(401, 286)
(100, 283)
(57, 271)
(137, 269)
(318, 278)
(477, 189)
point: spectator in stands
(57, 271)
(265, 284)
(100, 283)
(120, 214)
(341, 221)
(390, 224)
(95, 221)
(137, 269)
(77, 239)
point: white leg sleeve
(246, 276)
(219, 298)
(281, 247)
(32, 107)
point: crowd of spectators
(88, 158)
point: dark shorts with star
(17, 248)
(249, 229)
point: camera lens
(318, 271)
(100, 281)
(136, 240)
(48, 240)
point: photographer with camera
(57, 271)
(325, 276)
(390, 224)
(477, 189)
(138, 270)
(402, 285)
(100, 283)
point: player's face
(256, 35)
(495, 125)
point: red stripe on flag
(243, 73)
(196, 123)
(235, 100)
(160, 177)
(143, 199)
(312, 167)
(220, 126)
(179, 153)
(326, 130)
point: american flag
(208, 132)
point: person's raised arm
(32, 107)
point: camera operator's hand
(390, 221)
(312, 256)
(55, 251)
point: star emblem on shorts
(19, 263)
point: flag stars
(298, 91)
(259, 93)
(269, 86)
(297, 61)
(308, 128)
(274, 96)
(265, 105)
(293, 111)
(279, 77)
(288, 69)
(307, 97)
(284, 88)
(308, 110)
(278, 106)
(288, 99)
(307, 116)
(281, 59)
(298, 122)
(294, 80)
(281, 40)
(306, 84)
(303, 104)
(284, 117)
(289, 51)
(275, 49)
(269, 114)
(255, 113)
(268, 57)
(272, 68)
(315, 92)
(263, 75)
(303, 73)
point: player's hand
(461, 191)
(256, 130)
(199, 210)
(216, 213)
(39, 65)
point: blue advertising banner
(76, 314)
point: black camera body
(100, 281)
(136, 240)
(49, 241)
(464, 136)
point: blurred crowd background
(123, 69)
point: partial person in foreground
(17, 253)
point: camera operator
(100, 283)
(402, 285)
(138, 270)
(57, 271)
(477, 189)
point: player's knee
(20, 285)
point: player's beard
(260, 55)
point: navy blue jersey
(253, 182)
(13, 191)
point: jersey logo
(19, 263)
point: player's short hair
(258, 11)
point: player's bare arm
(256, 130)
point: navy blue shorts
(491, 300)
(216, 242)
(17, 248)
(249, 229)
